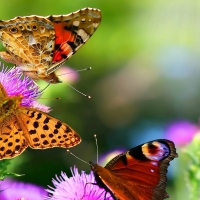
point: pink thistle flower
(15, 84)
(79, 186)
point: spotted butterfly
(39, 45)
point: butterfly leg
(85, 189)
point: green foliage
(193, 171)
(3, 169)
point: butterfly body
(22, 126)
(139, 173)
(39, 45)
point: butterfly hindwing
(139, 173)
(12, 140)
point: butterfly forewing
(139, 173)
(72, 31)
(44, 131)
(39, 45)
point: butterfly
(139, 173)
(39, 45)
(22, 126)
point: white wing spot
(83, 34)
(31, 40)
(76, 23)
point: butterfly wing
(44, 131)
(29, 41)
(39, 45)
(12, 140)
(72, 31)
(139, 173)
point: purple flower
(181, 132)
(15, 84)
(79, 186)
(13, 190)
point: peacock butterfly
(139, 173)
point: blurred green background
(145, 75)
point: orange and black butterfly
(39, 45)
(139, 173)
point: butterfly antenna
(85, 95)
(77, 157)
(41, 91)
(80, 70)
(95, 137)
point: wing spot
(6, 140)
(35, 139)
(13, 30)
(50, 135)
(32, 132)
(58, 125)
(34, 28)
(45, 127)
(55, 131)
(2, 148)
(53, 141)
(45, 142)
(17, 140)
(17, 148)
(36, 124)
(63, 56)
(8, 151)
(39, 116)
(43, 136)
(28, 28)
(68, 130)
(46, 120)
(76, 23)
(10, 144)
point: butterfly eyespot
(28, 28)
(34, 28)
(13, 30)
(42, 29)
(21, 27)
(83, 20)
